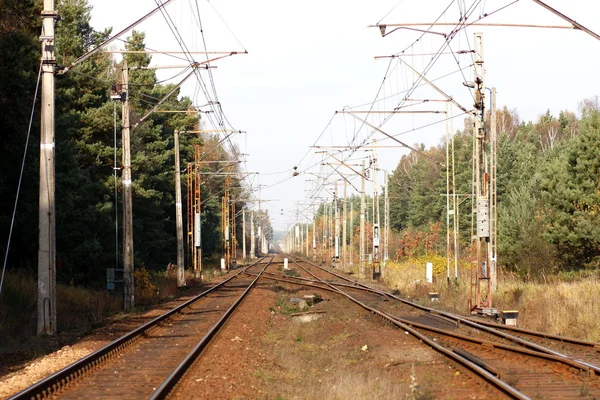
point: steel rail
(174, 377)
(489, 344)
(544, 335)
(333, 283)
(473, 324)
(75, 371)
(484, 373)
(521, 350)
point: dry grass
(77, 308)
(554, 306)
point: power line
(12, 221)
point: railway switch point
(510, 317)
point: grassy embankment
(560, 304)
(79, 310)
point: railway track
(149, 361)
(153, 361)
(521, 364)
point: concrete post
(46, 301)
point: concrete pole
(301, 238)
(179, 216)
(377, 210)
(306, 231)
(128, 287)
(324, 222)
(46, 301)
(259, 232)
(448, 248)
(361, 265)
(314, 243)
(386, 238)
(337, 225)
(244, 233)
(252, 238)
(493, 198)
(351, 233)
(344, 229)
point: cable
(12, 222)
(432, 61)
(389, 12)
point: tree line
(548, 190)
(86, 206)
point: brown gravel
(264, 352)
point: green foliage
(571, 195)
(548, 193)
(85, 143)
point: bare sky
(308, 59)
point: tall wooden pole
(128, 287)
(46, 301)
(179, 216)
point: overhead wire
(14, 214)
(429, 65)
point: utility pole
(376, 216)
(306, 231)
(252, 239)
(244, 233)
(361, 265)
(337, 226)
(448, 212)
(314, 241)
(128, 281)
(233, 256)
(324, 221)
(386, 237)
(493, 197)
(194, 208)
(225, 226)
(351, 233)
(179, 216)
(46, 301)
(481, 281)
(344, 228)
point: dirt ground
(264, 351)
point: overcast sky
(308, 59)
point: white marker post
(429, 272)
